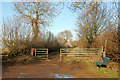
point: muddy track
(49, 69)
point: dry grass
(91, 63)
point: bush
(24, 59)
(17, 38)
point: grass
(102, 71)
(70, 60)
(91, 66)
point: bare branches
(65, 37)
(94, 18)
(38, 14)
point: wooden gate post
(60, 55)
(105, 45)
(32, 50)
(47, 54)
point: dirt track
(49, 69)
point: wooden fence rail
(80, 52)
(41, 53)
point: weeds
(24, 59)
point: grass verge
(91, 66)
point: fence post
(105, 45)
(101, 53)
(32, 51)
(35, 53)
(47, 54)
(60, 55)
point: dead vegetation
(21, 33)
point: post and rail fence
(39, 53)
(80, 52)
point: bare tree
(13, 34)
(37, 14)
(65, 37)
(94, 18)
(112, 44)
(119, 26)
